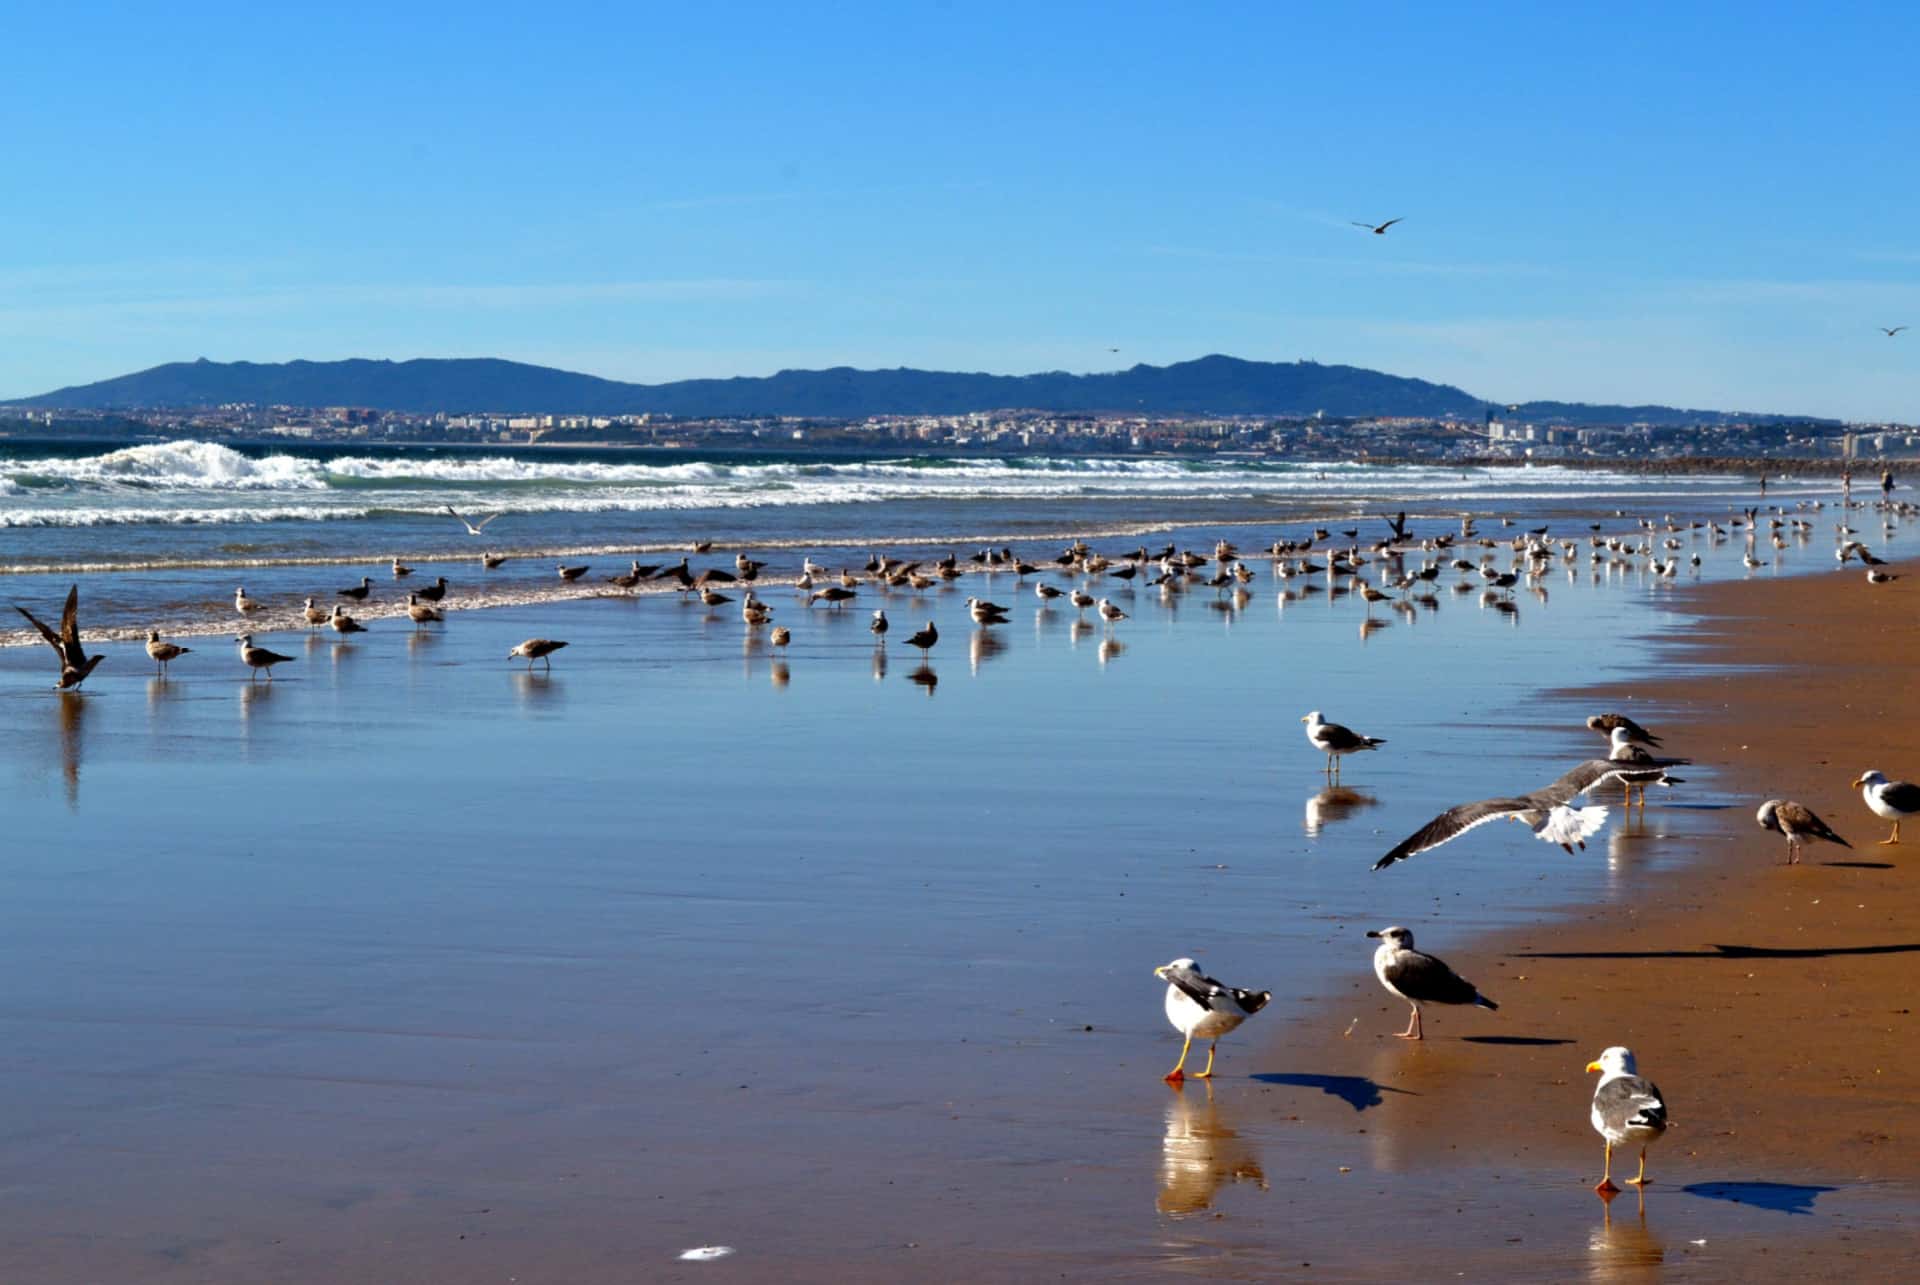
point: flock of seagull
(1627, 1110)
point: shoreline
(1766, 1000)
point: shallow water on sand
(417, 964)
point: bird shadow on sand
(1728, 952)
(1514, 1041)
(1357, 1091)
(1860, 865)
(1781, 1197)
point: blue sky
(1710, 205)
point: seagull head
(1397, 937)
(1182, 966)
(245, 640)
(1311, 716)
(1612, 1062)
(1872, 776)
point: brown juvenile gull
(258, 658)
(75, 664)
(420, 613)
(533, 649)
(343, 623)
(1605, 723)
(315, 616)
(1798, 823)
(1336, 741)
(925, 639)
(1419, 978)
(1201, 1008)
(163, 653)
(1890, 800)
(1626, 1110)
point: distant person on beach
(1886, 482)
(1763, 484)
(1846, 481)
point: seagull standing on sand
(1419, 978)
(420, 613)
(163, 653)
(472, 528)
(533, 649)
(1798, 823)
(75, 664)
(242, 603)
(258, 658)
(925, 639)
(1201, 1008)
(343, 623)
(1336, 741)
(1890, 800)
(1627, 1110)
(1110, 613)
(878, 626)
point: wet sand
(416, 967)
(1774, 1005)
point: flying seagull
(75, 664)
(1201, 1008)
(472, 528)
(1419, 978)
(1626, 1109)
(1891, 331)
(1890, 800)
(1378, 229)
(1548, 812)
(1798, 823)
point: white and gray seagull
(1201, 1008)
(1627, 1110)
(1419, 978)
(479, 528)
(1335, 741)
(1550, 812)
(1889, 800)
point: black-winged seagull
(1419, 978)
(1336, 741)
(1627, 1109)
(1201, 1008)
(1890, 800)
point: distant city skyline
(1697, 206)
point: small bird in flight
(479, 528)
(1891, 331)
(1379, 229)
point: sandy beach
(413, 964)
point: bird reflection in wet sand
(1079, 629)
(1199, 1154)
(73, 717)
(536, 687)
(879, 663)
(1623, 1248)
(252, 696)
(1334, 804)
(781, 675)
(1111, 649)
(1370, 626)
(984, 645)
(925, 677)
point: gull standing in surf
(1201, 1008)
(472, 528)
(343, 623)
(163, 653)
(1335, 741)
(1419, 978)
(243, 604)
(434, 592)
(571, 574)
(359, 592)
(1110, 613)
(75, 664)
(400, 572)
(533, 649)
(878, 626)
(1627, 1110)
(258, 658)
(1637, 767)
(925, 639)
(1798, 823)
(315, 616)
(1889, 800)
(420, 613)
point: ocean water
(166, 532)
(415, 964)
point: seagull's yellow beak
(1857, 784)
(1594, 1067)
(1160, 972)
(1303, 718)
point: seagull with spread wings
(1891, 331)
(75, 664)
(1379, 229)
(473, 528)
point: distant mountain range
(1210, 385)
